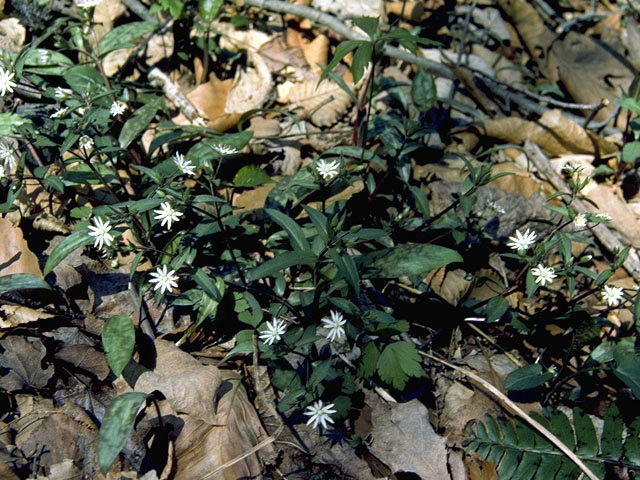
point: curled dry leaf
(22, 360)
(250, 88)
(15, 255)
(322, 105)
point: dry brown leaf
(251, 199)
(314, 52)
(451, 285)
(15, 256)
(85, 357)
(554, 133)
(22, 360)
(114, 61)
(13, 315)
(210, 98)
(234, 39)
(479, 469)
(12, 35)
(250, 88)
(609, 199)
(404, 439)
(65, 470)
(159, 47)
(322, 105)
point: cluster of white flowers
(185, 166)
(100, 230)
(224, 149)
(167, 214)
(327, 170)
(85, 142)
(543, 275)
(117, 108)
(274, 331)
(7, 155)
(6, 81)
(164, 280)
(319, 413)
(521, 242)
(612, 295)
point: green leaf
(294, 232)
(341, 50)
(627, 369)
(10, 122)
(251, 176)
(174, 7)
(347, 268)
(368, 24)
(632, 443)
(586, 439)
(417, 259)
(209, 9)
(21, 281)
(64, 248)
(422, 202)
(46, 62)
(82, 77)
(122, 36)
(496, 307)
(611, 440)
(524, 378)
(320, 372)
(319, 221)
(214, 288)
(280, 262)
(423, 90)
(397, 362)
(361, 59)
(630, 152)
(55, 182)
(116, 427)
(368, 360)
(138, 123)
(119, 340)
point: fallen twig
(518, 411)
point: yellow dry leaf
(250, 88)
(323, 105)
(14, 315)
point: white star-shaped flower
(334, 324)
(59, 112)
(327, 170)
(319, 413)
(570, 168)
(167, 214)
(543, 275)
(85, 142)
(61, 93)
(7, 155)
(223, 149)
(88, 3)
(117, 108)
(100, 230)
(274, 331)
(521, 242)
(612, 295)
(580, 221)
(184, 165)
(6, 81)
(164, 280)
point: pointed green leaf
(417, 259)
(361, 59)
(21, 281)
(368, 360)
(368, 24)
(251, 176)
(280, 262)
(524, 378)
(214, 288)
(496, 307)
(561, 428)
(587, 441)
(118, 340)
(627, 368)
(294, 232)
(341, 50)
(64, 248)
(319, 221)
(612, 431)
(122, 36)
(138, 123)
(632, 443)
(116, 427)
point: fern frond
(521, 453)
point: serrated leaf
(399, 361)
(586, 439)
(524, 378)
(251, 176)
(418, 259)
(22, 281)
(138, 123)
(116, 427)
(64, 248)
(118, 340)
(368, 360)
(293, 230)
(612, 434)
(122, 36)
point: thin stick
(518, 411)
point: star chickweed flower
(61, 93)
(85, 142)
(521, 242)
(612, 295)
(274, 331)
(185, 166)
(6, 81)
(543, 275)
(167, 214)
(100, 230)
(602, 217)
(59, 112)
(319, 413)
(224, 149)
(327, 170)
(164, 280)
(580, 221)
(117, 108)
(7, 155)
(571, 169)
(334, 324)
